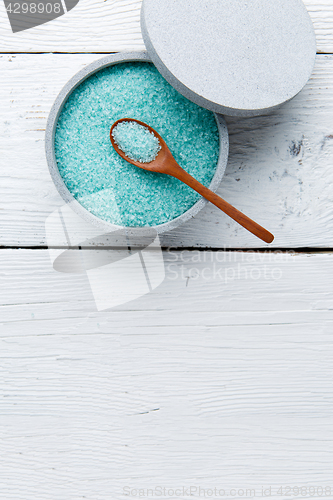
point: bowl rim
(64, 192)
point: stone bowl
(68, 198)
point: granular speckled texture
(240, 58)
(105, 184)
(136, 141)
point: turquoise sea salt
(136, 141)
(107, 185)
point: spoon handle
(176, 171)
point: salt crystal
(105, 184)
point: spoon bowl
(159, 164)
(164, 163)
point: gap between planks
(294, 251)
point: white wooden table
(222, 382)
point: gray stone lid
(236, 57)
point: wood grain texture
(114, 25)
(202, 383)
(222, 376)
(279, 171)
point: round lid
(239, 57)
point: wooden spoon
(165, 163)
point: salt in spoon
(164, 163)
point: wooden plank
(279, 171)
(201, 383)
(96, 26)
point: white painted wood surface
(114, 25)
(279, 171)
(222, 376)
(201, 383)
